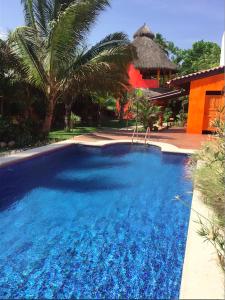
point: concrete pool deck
(174, 136)
(201, 277)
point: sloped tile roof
(197, 75)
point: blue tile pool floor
(92, 223)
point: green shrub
(209, 179)
(74, 120)
(167, 114)
(146, 113)
(181, 118)
(24, 133)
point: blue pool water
(92, 223)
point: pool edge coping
(188, 289)
(29, 153)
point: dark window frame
(215, 93)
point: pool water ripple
(92, 223)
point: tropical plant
(163, 43)
(167, 114)
(203, 55)
(10, 72)
(103, 102)
(146, 112)
(18, 98)
(10, 66)
(112, 81)
(210, 231)
(181, 118)
(74, 120)
(51, 47)
(21, 134)
(173, 52)
(209, 179)
(123, 101)
(210, 176)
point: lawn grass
(116, 124)
(61, 135)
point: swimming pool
(89, 222)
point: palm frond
(57, 6)
(8, 59)
(41, 15)
(100, 77)
(111, 51)
(37, 15)
(23, 44)
(70, 29)
(111, 41)
(28, 13)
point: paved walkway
(175, 136)
(172, 140)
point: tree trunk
(99, 117)
(49, 116)
(150, 124)
(122, 106)
(161, 119)
(2, 105)
(68, 116)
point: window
(215, 93)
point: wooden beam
(158, 76)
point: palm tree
(162, 42)
(52, 49)
(113, 80)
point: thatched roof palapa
(150, 54)
(144, 31)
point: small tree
(74, 120)
(146, 112)
(181, 118)
(167, 114)
(103, 102)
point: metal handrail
(147, 134)
(133, 136)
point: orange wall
(136, 80)
(196, 107)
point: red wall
(136, 80)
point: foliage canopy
(203, 55)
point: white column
(222, 55)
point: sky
(180, 21)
